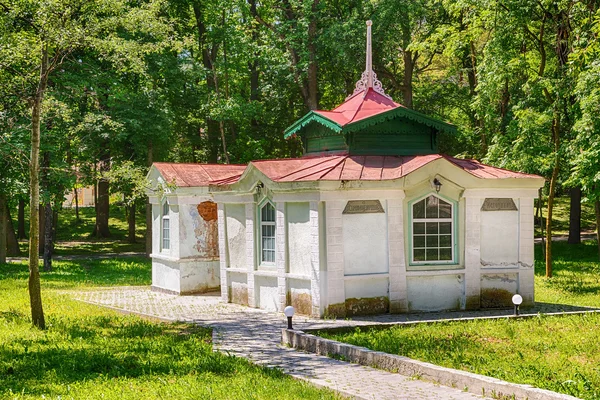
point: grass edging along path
(553, 352)
(467, 381)
(90, 352)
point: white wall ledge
(356, 277)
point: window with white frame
(166, 234)
(267, 233)
(432, 230)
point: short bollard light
(289, 313)
(517, 300)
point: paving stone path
(256, 334)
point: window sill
(426, 270)
(381, 275)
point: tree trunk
(48, 237)
(551, 192)
(597, 208)
(45, 168)
(3, 229)
(575, 216)
(407, 91)
(54, 227)
(35, 292)
(41, 229)
(131, 224)
(76, 194)
(101, 229)
(212, 126)
(12, 243)
(21, 219)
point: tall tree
(45, 34)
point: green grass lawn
(89, 352)
(73, 237)
(560, 217)
(556, 353)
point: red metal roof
(360, 106)
(191, 175)
(368, 168)
(324, 168)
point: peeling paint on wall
(497, 289)
(302, 302)
(206, 229)
(208, 210)
(238, 293)
(367, 306)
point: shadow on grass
(575, 268)
(68, 274)
(106, 347)
(106, 356)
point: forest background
(106, 87)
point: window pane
(445, 227)
(446, 254)
(268, 231)
(432, 255)
(432, 241)
(445, 210)
(419, 227)
(432, 207)
(267, 213)
(165, 209)
(419, 241)
(432, 228)
(419, 209)
(419, 255)
(445, 240)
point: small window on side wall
(166, 227)
(432, 231)
(267, 234)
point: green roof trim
(401, 112)
(307, 119)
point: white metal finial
(369, 67)
(368, 78)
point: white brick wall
(250, 258)
(280, 252)
(472, 248)
(397, 258)
(222, 251)
(315, 290)
(335, 252)
(526, 255)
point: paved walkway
(256, 334)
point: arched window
(267, 233)
(166, 234)
(432, 230)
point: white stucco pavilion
(371, 220)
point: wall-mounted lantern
(437, 184)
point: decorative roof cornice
(307, 119)
(400, 112)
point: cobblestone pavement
(256, 334)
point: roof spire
(368, 78)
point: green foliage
(160, 80)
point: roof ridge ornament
(368, 79)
